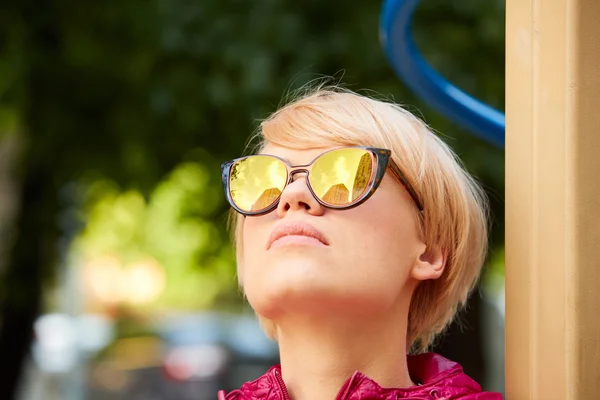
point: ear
(430, 264)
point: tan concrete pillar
(553, 199)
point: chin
(289, 287)
(274, 299)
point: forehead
(295, 156)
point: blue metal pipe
(396, 36)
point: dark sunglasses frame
(382, 161)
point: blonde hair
(455, 207)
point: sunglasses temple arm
(406, 184)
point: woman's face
(363, 263)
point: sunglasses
(338, 179)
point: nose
(297, 197)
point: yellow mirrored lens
(342, 176)
(256, 182)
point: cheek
(379, 245)
(253, 241)
(385, 227)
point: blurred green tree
(121, 90)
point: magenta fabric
(439, 379)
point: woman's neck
(319, 355)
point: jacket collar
(437, 378)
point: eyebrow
(287, 160)
(291, 164)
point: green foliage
(494, 278)
(9, 121)
(119, 91)
(175, 227)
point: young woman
(358, 237)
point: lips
(296, 229)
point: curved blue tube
(396, 35)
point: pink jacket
(439, 379)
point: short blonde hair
(455, 216)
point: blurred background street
(117, 278)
